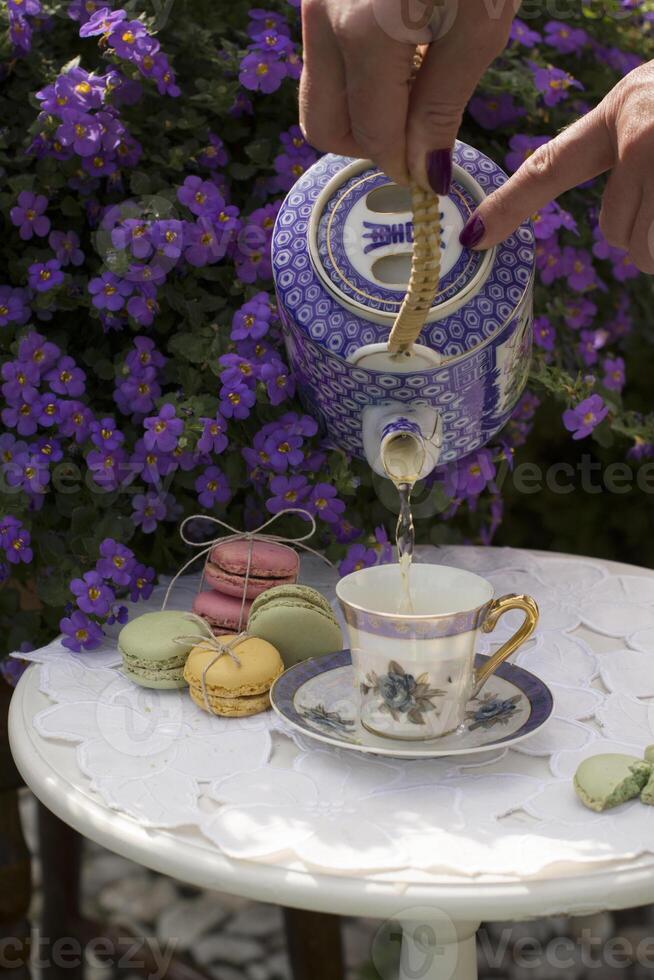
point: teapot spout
(401, 443)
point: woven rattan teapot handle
(425, 270)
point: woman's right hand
(618, 135)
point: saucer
(318, 698)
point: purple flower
(16, 542)
(384, 545)
(325, 503)
(261, 72)
(252, 257)
(287, 491)
(544, 333)
(18, 377)
(109, 292)
(205, 243)
(591, 341)
(252, 321)
(152, 464)
(134, 234)
(358, 556)
(137, 393)
(470, 475)
(580, 313)
(578, 268)
(28, 215)
(585, 417)
(11, 669)
(66, 378)
(105, 435)
(81, 131)
(108, 467)
(495, 111)
(92, 595)
(28, 471)
(116, 562)
(148, 510)
(80, 632)
(549, 260)
(554, 84)
(44, 276)
(125, 37)
(614, 373)
(163, 430)
(101, 21)
(280, 384)
(563, 37)
(141, 584)
(236, 399)
(167, 237)
(35, 348)
(623, 267)
(202, 197)
(214, 155)
(213, 438)
(212, 487)
(522, 34)
(76, 420)
(273, 41)
(24, 417)
(13, 307)
(142, 308)
(550, 218)
(65, 245)
(266, 20)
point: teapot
(342, 255)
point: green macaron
(152, 649)
(604, 781)
(297, 620)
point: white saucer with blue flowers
(318, 698)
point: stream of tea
(403, 458)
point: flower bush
(145, 151)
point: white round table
(439, 918)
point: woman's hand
(618, 135)
(355, 96)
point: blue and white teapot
(341, 252)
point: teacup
(416, 671)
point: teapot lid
(341, 253)
(361, 242)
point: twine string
(221, 646)
(207, 546)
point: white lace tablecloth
(260, 792)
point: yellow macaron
(237, 687)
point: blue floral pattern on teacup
(403, 696)
(330, 721)
(492, 711)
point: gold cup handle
(497, 609)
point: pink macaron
(222, 612)
(270, 564)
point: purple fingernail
(439, 170)
(473, 231)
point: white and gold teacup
(415, 671)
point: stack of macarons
(233, 686)
(155, 646)
(237, 571)
(297, 620)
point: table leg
(435, 948)
(314, 945)
(15, 863)
(60, 849)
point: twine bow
(222, 647)
(257, 534)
